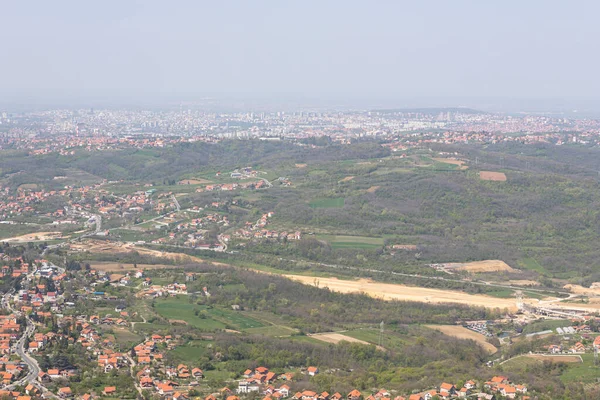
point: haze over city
(498, 56)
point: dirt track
(388, 291)
(464, 333)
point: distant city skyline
(535, 56)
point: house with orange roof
(108, 390)
(354, 395)
(65, 392)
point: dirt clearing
(481, 266)
(301, 165)
(347, 179)
(104, 247)
(37, 236)
(373, 189)
(338, 337)
(389, 291)
(463, 333)
(492, 176)
(452, 161)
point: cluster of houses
(262, 381)
(172, 289)
(191, 234)
(257, 230)
(232, 186)
(169, 381)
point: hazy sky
(313, 49)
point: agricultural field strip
(388, 291)
(481, 283)
(539, 357)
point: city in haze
(500, 56)
(285, 200)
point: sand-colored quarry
(481, 266)
(593, 290)
(37, 236)
(492, 176)
(463, 333)
(389, 291)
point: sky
(386, 52)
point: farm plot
(492, 176)
(463, 333)
(481, 266)
(342, 241)
(234, 318)
(453, 161)
(180, 308)
(333, 337)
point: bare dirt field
(492, 176)
(593, 290)
(193, 181)
(523, 282)
(389, 291)
(31, 237)
(335, 338)
(103, 247)
(556, 358)
(347, 179)
(301, 165)
(481, 266)
(463, 333)
(113, 266)
(373, 189)
(453, 161)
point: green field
(519, 363)
(544, 325)
(389, 339)
(585, 372)
(180, 308)
(337, 202)
(531, 264)
(360, 242)
(235, 318)
(214, 318)
(189, 352)
(126, 336)
(271, 331)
